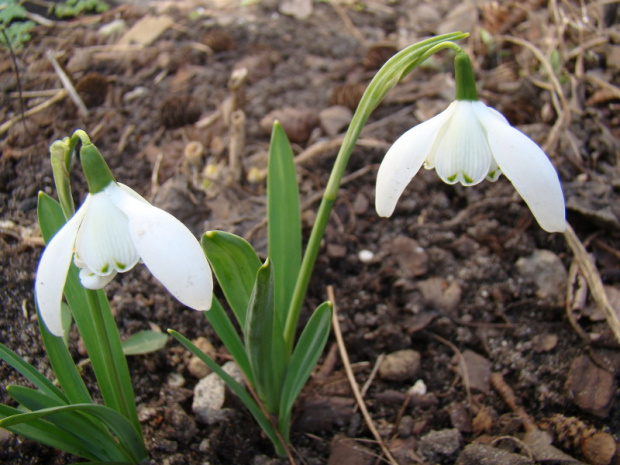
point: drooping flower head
(110, 233)
(467, 143)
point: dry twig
(344, 356)
(459, 355)
(562, 107)
(66, 83)
(574, 298)
(62, 93)
(506, 393)
(593, 278)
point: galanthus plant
(115, 228)
(467, 143)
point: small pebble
(176, 380)
(418, 388)
(365, 256)
(478, 454)
(439, 445)
(592, 388)
(599, 449)
(546, 270)
(209, 395)
(401, 365)
(197, 367)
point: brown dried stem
(344, 356)
(62, 93)
(66, 83)
(506, 393)
(593, 278)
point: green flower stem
(386, 78)
(103, 344)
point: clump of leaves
(14, 23)
(74, 8)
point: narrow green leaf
(64, 367)
(93, 435)
(228, 335)
(263, 340)
(234, 263)
(144, 342)
(239, 390)
(305, 357)
(46, 433)
(128, 438)
(31, 374)
(283, 220)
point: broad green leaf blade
(229, 337)
(90, 433)
(91, 311)
(263, 340)
(305, 356)
(234, 263)
(31, 374)
(128, 438)
(46, 433)
(144, 342)
(64, 366)
(283, 220)
(239, 390)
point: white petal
(103, 243)
(169, 250)
(93, 281)
(461, 152)
(494, 171)
(528, 168)
(404, 159)
(53, 269)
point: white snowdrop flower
(467, 143)
(113, 230)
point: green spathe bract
(464, 78)
(96, 170)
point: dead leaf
(147, 30)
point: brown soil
(444, 279)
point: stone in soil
(477, 454)
(401, 365)
(210, 394)
(592, 388)
(439, 445)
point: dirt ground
(459, 295)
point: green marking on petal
(468, 180)
(452, 178)
(105, 268)
(120, 266)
